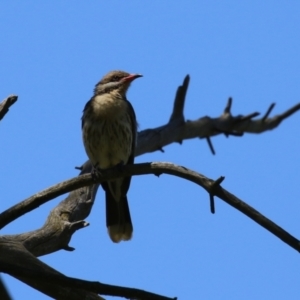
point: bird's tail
(118, 220)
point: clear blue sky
(52, 55)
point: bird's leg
(96, 172)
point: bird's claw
(96, 173)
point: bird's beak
(131, 77)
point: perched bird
(109, 131)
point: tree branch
(18, 262)
(4, 295)
(177, 130)
(211, 186)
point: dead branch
(6, 104)
(18, 262)
(4, 295)
(157, 168)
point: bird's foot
(96, 172)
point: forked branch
(211, 186)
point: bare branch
(211, 147)
(42, 197)
(62, 222)
(268, 111)
(211, 186)
(227, 109)
(211, 195)
(16, 261)
(4, 295)
(288, 113)
(6, 104)
(179, 101)
(177, 130)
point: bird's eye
(116, 78)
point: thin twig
(268, 112)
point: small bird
(109, 131)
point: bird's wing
(126, 180)
(134, 131)
(87, 107)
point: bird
(109, 132)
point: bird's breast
(109, 106)
(107, 133)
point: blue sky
(52, 55)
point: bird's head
(115, 80)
